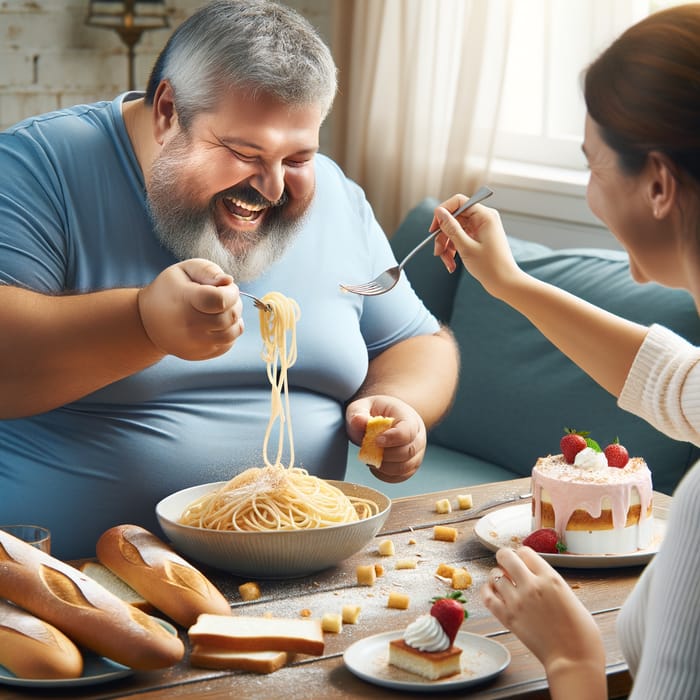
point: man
(125, 230)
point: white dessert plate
(96, 670)
(482, 659)
(507, 527)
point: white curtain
(412, 73)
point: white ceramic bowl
(275, 554)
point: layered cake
(427, 647)
(594, 508)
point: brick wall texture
(49, 57)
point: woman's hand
(478, 237)
(533, 601)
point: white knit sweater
(659, 626)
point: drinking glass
(35, 535)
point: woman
(642, 143)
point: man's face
(234, 187)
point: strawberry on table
(545, 540)
(616, 454)
(572, 443)
(449, 611)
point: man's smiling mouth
(244, 211)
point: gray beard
(201, 241)
(188, 231)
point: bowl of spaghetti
(273, 522)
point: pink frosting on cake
(571, 488)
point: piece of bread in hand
(370, 453)
(159, 574)
(248, 633)
(33, 648)
(204, 656)
(116, 585)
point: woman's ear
(163, 113)
(662, 185)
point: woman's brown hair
(644, 90)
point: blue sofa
(517, 391)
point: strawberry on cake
(597, 501)
(427, 648)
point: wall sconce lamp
(130, 19)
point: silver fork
(259, 303)
(389, 278)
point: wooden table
(601, 590)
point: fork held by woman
(388, 279)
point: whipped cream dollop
(590, 460)
(425, 633)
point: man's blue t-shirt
(73, 218)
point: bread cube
(443, 506)
(445, 533)
(399, 601)
(386, 548)
(366, 574)
(464, 501)
(249, 591)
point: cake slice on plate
(427, 647)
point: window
(542, 110)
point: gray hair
(260, 45)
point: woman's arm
(602, 344)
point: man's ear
(663, 185)
(164, 113)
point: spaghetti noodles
(277, 497)
(278, 328)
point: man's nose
(269, 181)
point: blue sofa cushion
(517, 391)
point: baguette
(118, 586)
(83, 609)
(32, 648)
(159, 574)
(242, 633)
(203, 656)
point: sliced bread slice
(204, 656)
(116, 585)
(248, 633)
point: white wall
(50, 59)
